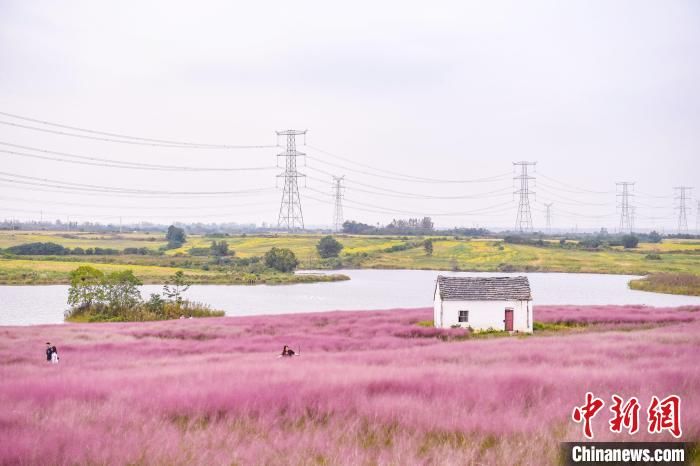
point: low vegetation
(241, 259)
(115, 297)
(366, 389)
(672, 283)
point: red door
(509, 320)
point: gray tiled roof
(484, 288)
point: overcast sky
(594, 92)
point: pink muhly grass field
(369, 388)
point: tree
(85, 286)
(219, 249)
(121, 290)
(630, 241)
(52, 249)
(428, 246)
(175, 236)
(281, 259)
(177, 285)
(655, 237)
(427, 224)
(328, 247)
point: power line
(523, 219)
(290, 214)
(389, 210)
(572, 189)
(134, 139)
(405, 194)
(95, 161)
(116, 216)
(35, 181)
(392, 175)
(132, 207)
(572, 201)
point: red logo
(665, 415)
(586, 412)
(662, 415)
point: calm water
(368, 289)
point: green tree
(428, 246)
(655, 237)
(630, 241)
(156, 304)
(175, 236)
(176, 285)
(328, 247)
(281, 259)
(121, 290)
(85, 286)
(219, 248)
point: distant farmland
(368, 388)
(393, 252)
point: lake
(367, 290)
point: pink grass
(370, 387)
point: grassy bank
(449, 253)
(672, 283)
(142, 313)
(367, 388)
(55, 271)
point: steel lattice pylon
(683, 197)
(290, 215)
(626, 208)
(523, 221)
(338, 208)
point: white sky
(595, 92)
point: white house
(482, 303)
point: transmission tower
(338, 210)
(633, 217)
(523, 221)
(682, 198)
(549, 217)
(290, 216)
(625, 206)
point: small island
(115, 297)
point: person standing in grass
(54, 355)
(287, 351)
(49, 351)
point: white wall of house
(483, 314)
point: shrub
(219, 249)
(428, 246)
(85, 287)
(137, 251)
(328, 247)
(29, 249)
(281, 259)
(654, 237)
(96, 297)
(177, 285)
(630, 241)
(175, 236)
(653, 257)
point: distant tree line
(53, 249)
(599, 241)
(410, 227)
